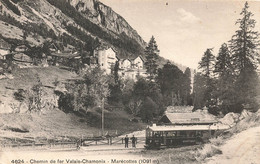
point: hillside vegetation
(51, 122)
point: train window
(156, 134)
(183, 133)
(170, 134)
(161, 134)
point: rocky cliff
(76, 22)
(104, 16)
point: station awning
(188, 128)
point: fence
(72, 143)
(29, 142)
(110, 141)
(56, 145)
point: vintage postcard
(129, 82)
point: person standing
(126, 141)
(133, 141)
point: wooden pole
(81, 140)
(209, 132)
(102, 106)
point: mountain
(74, 24)
(80, 23)
(104, 16)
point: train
(166, 136)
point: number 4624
(17, 161)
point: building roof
(123, 60)
(180, 109)
(141, 57)
(188, 127)
(105, 47)
(187, 118)
(66, 55)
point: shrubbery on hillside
(34, 28)
(17, 1)
(9, 19)
(82, 36)
(12, 7)
(89, 92)
(32, 97)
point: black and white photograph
(129, 82)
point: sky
(184, 30)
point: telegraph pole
(103, 121)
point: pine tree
(223, 61)
(152, 54)
(206, 66)
(199, 89)
(225, 80)
(116, 75)
(186, 87)
(245, 42)
(244, 46)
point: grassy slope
(53, 123)
(182, 155)
(25, 78)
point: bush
(20, 95)
(148, 110)
(65, 102)
(207, 151)
(217, 141)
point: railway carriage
(172, 136)
(177, 129)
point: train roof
(188, 127)
(188, 118)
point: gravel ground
(243, 148)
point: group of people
(134, 141)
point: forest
(229, 82)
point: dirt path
(104, 153)
(98, 154)
(243, 148)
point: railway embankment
(239, 144)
